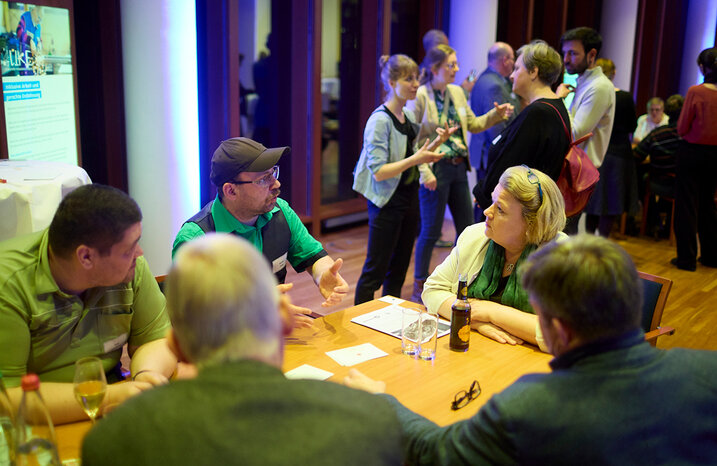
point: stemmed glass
(90, 385)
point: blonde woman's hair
(544, 219)
(539, 55)
(608, 67)
(222, 301)
(395, 67)
(434, 57)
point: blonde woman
(527, 212)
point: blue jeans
(391, 233)
(452, 190)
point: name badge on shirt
(115, 343)
(462, 112)
(278, 263)
(497, 138)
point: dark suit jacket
(489, 87)
(246, 412)
(614, 402)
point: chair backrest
(655, 291)
(160, 281)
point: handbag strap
(565, 127)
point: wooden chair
(655, 291)
(160, 281)
(646, 202)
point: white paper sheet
(356, 354)
(305, 371)
(391, 300)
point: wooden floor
(691, 307)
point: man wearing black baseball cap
(248, 205)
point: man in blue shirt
(611, 397)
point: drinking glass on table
(90, 385)
(429, 336)
(410, 331)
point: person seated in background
(82, 288)
(246, 174)
(654, 118)
(660, 146)
(527, 212)
(611, 398)
(240, 409)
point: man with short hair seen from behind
(611, 397)
(240, 409)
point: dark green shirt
(303, 246)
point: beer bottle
(461, 318)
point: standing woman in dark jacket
(616, 192)
(537, 137)
(695, 212)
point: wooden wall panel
(659, 34)
(217, 82)
(100, 92)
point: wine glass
(90, 385)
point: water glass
(410, 331)
(429, 336)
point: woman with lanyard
(387, 175)
(527, 211)
(441, 104)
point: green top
(44, 330)
(303, 246)
(455, 145)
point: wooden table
(426, 387)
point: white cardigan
(466, 258)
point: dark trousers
(392, 230)
(695, 212)
(452, 191)
(571, 225)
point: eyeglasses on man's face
(266, 181)
(463, 397)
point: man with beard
(593, 107)
(82, 288)
(248, 205)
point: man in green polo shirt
(248, 205)
(82, 288)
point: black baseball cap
(237, 155)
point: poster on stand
(38, 83)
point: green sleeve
(15, 337)
(304, 250)
(189, 231)
(149, 319)
(482, 439)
